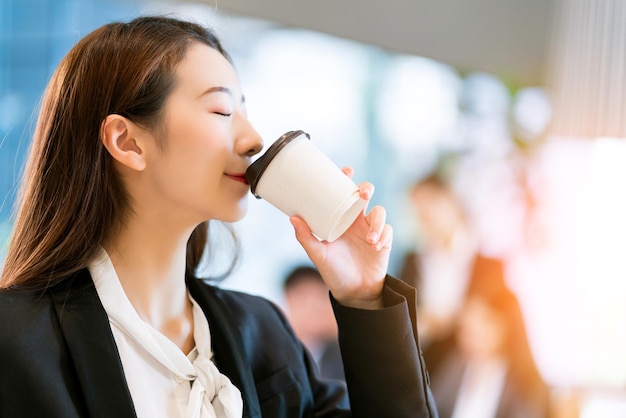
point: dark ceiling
(508, 38)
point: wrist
(369, 304)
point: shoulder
(26, 321)
(17, 304)
(29, 313)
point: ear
(123, 139)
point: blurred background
(519, 106)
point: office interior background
(525, 108)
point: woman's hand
(355, 265)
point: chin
(233, 219)
(236, 214)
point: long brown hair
(71, 199)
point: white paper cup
(297, 178)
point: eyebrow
(220, 89)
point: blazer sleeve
(385, 370)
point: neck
(149, 259)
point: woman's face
(437, 214)
(198, 173)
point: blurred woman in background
(491, 373)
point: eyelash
(226, 115)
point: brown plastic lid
(257, 168)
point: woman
(492, 373)
(142, 139)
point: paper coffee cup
(297, 178)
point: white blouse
(163, 381)
(481, 390)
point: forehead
(204, 67)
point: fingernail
(372, 236)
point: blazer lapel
(227, 344)
(86, 329)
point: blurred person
(141, 143)
(565, 403)
(311, 316)
(440, 266)
(492, 372)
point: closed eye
(223, 114)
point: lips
(238, 177)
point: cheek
(195, 154)
(187, 179)
(189, 127)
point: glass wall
(34, 36)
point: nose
(249, 142)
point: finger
(348, 171)
(386, 238)
(366, 190)
(376, 220)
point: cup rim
(256, 169)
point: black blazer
(58, 358)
